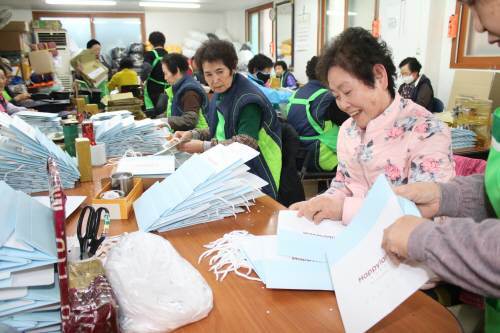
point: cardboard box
(17, 26)
(14, 41)
(41, 62)
(477, 84)
(119, 209)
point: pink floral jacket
(406, 143)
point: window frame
(253, 10)
(322, 21)
(39, 14)
(275, 33)
(458, 59)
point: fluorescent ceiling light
(169, 4)
(81, 3)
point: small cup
(123, 181)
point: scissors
(89, 243)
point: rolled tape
(98, 154)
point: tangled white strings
(228, 257)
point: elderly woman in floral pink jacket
(385, 133)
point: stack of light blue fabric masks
(463, 138)
(48, 123)
(23, 157)
(126, 134)
(108, 115)
(29, 288)
(205, 188)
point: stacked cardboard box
(126, 101)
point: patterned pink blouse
(406, 143)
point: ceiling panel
(132, 5)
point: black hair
(156, 38)
(176, 62)
(92, 42)
(216, 50)
(282, 64)
(412, 63)
(259, 62)
(356, 51)
(126, 63)
(311, 68)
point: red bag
(91, 308)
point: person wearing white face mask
(415, 86)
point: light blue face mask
(24, 150)
(207, 186)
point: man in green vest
(152, 73)
(465, 248)
(92, 52)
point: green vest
(202, 122)
(327, 136)
(6, 96)
(492, 184)
(148, 103)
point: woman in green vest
(465, 248)
(186, 100)
(238, 112)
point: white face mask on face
(407, 79)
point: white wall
(446, 74)
(303, 53)
(21, 15)
(234, 22)
(176, 25)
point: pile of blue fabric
(463, 138)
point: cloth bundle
(23, 154)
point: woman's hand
(320, 208)
(22, 97)
(183, 136)
(397, 235)
(426, 195)
(192, 146)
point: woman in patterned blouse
(385, 134)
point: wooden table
(242, 305)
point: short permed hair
(156, 38)
(176, 62)
(126, 63)
(311, 68)
(412, 63)
(259, 62)
(356, 51)
(216, 50)
(282, 64)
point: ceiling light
(169, 4)
(81, 3)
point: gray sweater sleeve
(464, 197)
(461, 251)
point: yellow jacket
(125, 77)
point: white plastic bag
(157, 289)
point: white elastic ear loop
(227, 203)
(12, 171)
(227, 257)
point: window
(110, 29)
(259, 29)
(338, 15)
(471, 49)
(284, 32)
